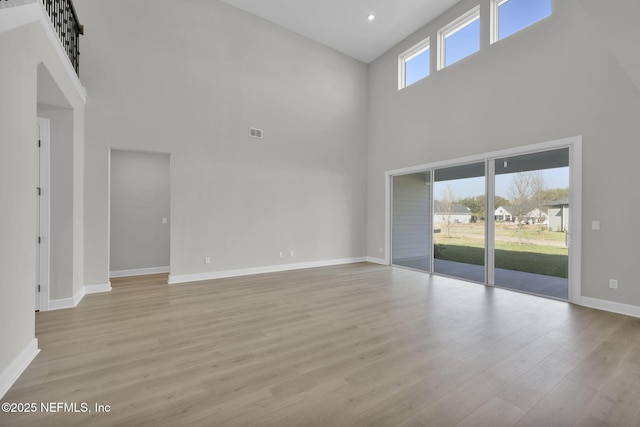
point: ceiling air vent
(255, 133)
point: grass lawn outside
(530, 258)
(506, 229)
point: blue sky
(514, 15)
(471, 187)
(462, 43)
(416, 67)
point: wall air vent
(255, 133)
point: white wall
(139, 201)
(559, 78)
(17, 197)
(22, 49)
(188, 78)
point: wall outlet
(281, 254)
(595, 225)
(165, 220)
(207, 260)
(613, 283)
(291, 253)
(380, 250)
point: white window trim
(452, 28)
(495, 16)
(407, 56)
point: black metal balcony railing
(66, 23)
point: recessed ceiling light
(371, 17)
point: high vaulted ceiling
(344, 24)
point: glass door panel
(411, 222)
(531, 223)
(458, 216)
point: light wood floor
(356, 345)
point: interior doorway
(139, 213)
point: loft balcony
(65, 22)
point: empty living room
(312, 213)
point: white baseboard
(97, 289)
(61, 304)
(185, 278)
(374, 260)
(614, 307)
(138, 272)
(17, 367)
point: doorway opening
(531, 223)
(459, 233)
(139, 213)
(502, 219)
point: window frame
(494, 6)
(453, 27)
(409, 54)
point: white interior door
(43, 217)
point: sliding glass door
(458, 216)
(502, 221)
(531, 223)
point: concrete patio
(539, 284)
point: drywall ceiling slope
(618, 23)
(343, 25)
